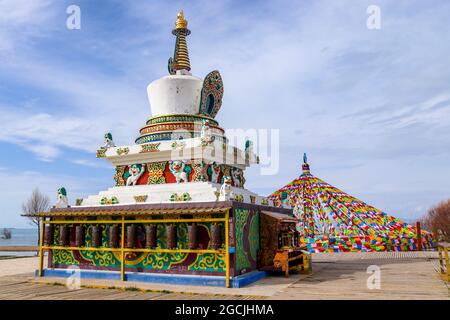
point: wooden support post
(444, 262)
(306, 261)
(447, 266)
(227, 250)
(441, 259)
(122, 254)
(286, 263)
(419, 236)
(41, 250)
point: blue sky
(370, 107)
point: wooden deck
(19, 287)
(404, 275)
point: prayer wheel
(114, 236)
(216, 236)
(79, 236)
(96, 236)
(48, 235)
(131, 236)
(193, 236)
(150, 236)
(171, 234)
(64, 235)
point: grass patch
(57, 284)
(131, 289)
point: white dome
(175, 94)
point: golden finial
(180, 60)
(181, 22)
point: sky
(370, 107)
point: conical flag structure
(333, 221)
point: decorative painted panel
(156, 172)
(118, 177)
(175, 262)
(247, 239)
(212, 93)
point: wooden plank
(19, 248)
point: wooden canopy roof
(157, 208)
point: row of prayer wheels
(65, 236)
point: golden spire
(180, 60)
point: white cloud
(93, 164)
(23, 12)
(22, 20)
(44, 152)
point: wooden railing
(123, 250)
(443, 248)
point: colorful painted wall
(244, 240)
(162, 262)
(160, 173)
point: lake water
(20, 237)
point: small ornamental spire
(305, 166)
(180, 60)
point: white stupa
(181, 154)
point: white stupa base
(161, 193)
